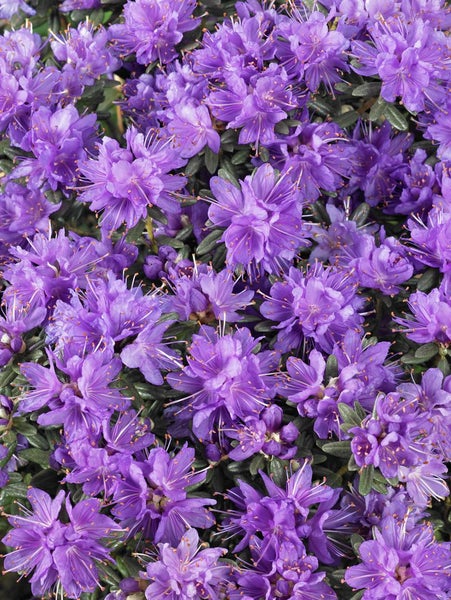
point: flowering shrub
(226, 299)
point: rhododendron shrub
(225, 278)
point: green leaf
(341, 449)
(46, 480)
(21, 425)
(13, 491)
(426, 351)
(320, 213)
(358, 595)
(166, 240)
(443, 365)
(156, 213)
(257, 463)
(377, 110)
(371, 88)
(240, 157)
(396, 118)
(348, 118)
(194, 165)
(331, 367)
(411, 359)
(348, 415)
(366, 480)
(320, 106)
(35, 455)
(211, 160)
(264, 326)
(226, 172)
(209, 242)
(356, 540)
(344, 87)
(360, 214)
(428, 280)
(278, 471)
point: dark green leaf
(35, 455)
(278, 471)
(411, 359)
(428, 280)
(377, 110)
(396, 118)
(344, 86)
(443, 365)
(211, 160)
(358, 595)
(264, 326)
(320, 213)
(360, 214)
(331, 367)
(13, 491)
(194, 165)
(257, 463)
(348, 118)
(166, 240)
(156, 213)
(366, 480)
(320, 106)
(371, 88)
(240, 157)
(426, 351)
(348, 415)
(341, 449)
(21, 425)
(356, 540)
(227, 172)
(46, 480)
(209, 242)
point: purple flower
(186, 572)
(82, 403)
(263, 219)
(400, 563)
(124, 182)
(316, 156)
(290, 575)
(240, 45)
(9, 8)
(418, 186)
(409, 56)
(255, 107)
(322, 304)
(153, 28)
(282, 516)
(378, 162)
(431, 239)
(151, 498)
(193, 130)
(58, 139)
(431, 319)
(85, 54)
(310, 50)
(23, 212)
(69, 5)
(51, 267)
(266, 435)
(226, 380)
(60, 553)
(18, 318)
(202, 295)
(383, 267)
(150, 354)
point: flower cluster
(225, 293)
